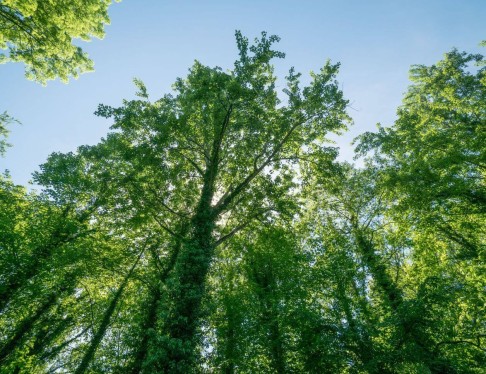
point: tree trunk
(230, 351)
(187, 293)
(364, 346)
(26, 326)
(394, 297)
(150, 321)
(392, 293)
(190, 271)
(89, 354)
(45, 337)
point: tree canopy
(213, 230)
(40, 34)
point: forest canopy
(214, 230)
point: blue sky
(376, 41)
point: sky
(376, 42)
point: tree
(394, 283)
(40, 34)
(214, 157)
(431, 166)
(212, 230)
(435, 152)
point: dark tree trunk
(189, 284)
(394, 297)
(100, 333)
(386, 285)
(150, 322)
(190, 271)
(276, 344)
(265, 280)
(360, 341)
(45, 337)
(26, 326)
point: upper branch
(229, 196)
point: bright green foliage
(401, 283)
(213, 231)
(435, 153)
(186, 173)
(218, 154)
(40, 34)
(52, 257)
(432, 166)
(5, 120)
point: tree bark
(150, 321)
(187, 293)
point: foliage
(5, 120)
(40, 34)
(212, 230)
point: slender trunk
(363, 346)
(394, 297)
(44, 338)
(230, 348)
(95, 342)
(232, 319)
(47, 355)
(277, 349)
(392, 293)
(42, 253)
(265, 280)
(25, 327)
(470, 250)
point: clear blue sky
(376, 41)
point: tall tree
(431, 166)
(224, 146)
(435, 153)
(212, 230)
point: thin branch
(231, 234)
(192, 162)
(240, 227)
(168, 208)
(223, 203)
(164, 227)
(204, 152)
(460, 342)
(7, 15)
(218, 140)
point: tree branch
(238, 228)
(228, 197)
(164, 227)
